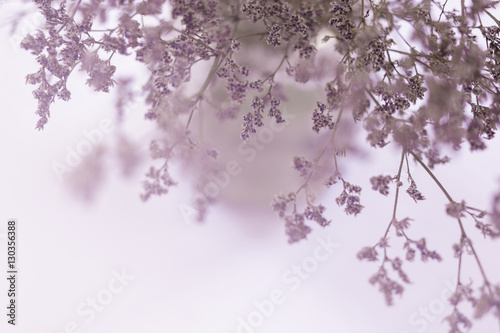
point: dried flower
(303, 166)
(295, 228)
(424, 91)
(381, 184)
(350, 198)
(455, 209)
(367, 253)
(413, 191)
(322, 118)
(387, 286)
(158, 182)
(280, 203)
(315, 213)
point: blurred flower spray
(422, 76)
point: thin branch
(398, 177)
(332, 138)
(464, 234)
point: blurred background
(108, 262)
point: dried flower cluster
(418, 75)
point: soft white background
(203, 278)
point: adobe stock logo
(83, 148)
(292, 280)
(88, 310)
(434, 311)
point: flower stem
(215, 66)
(433, 177)
(464, 234)
(398, 177)
(492, 17)
(332, 137)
